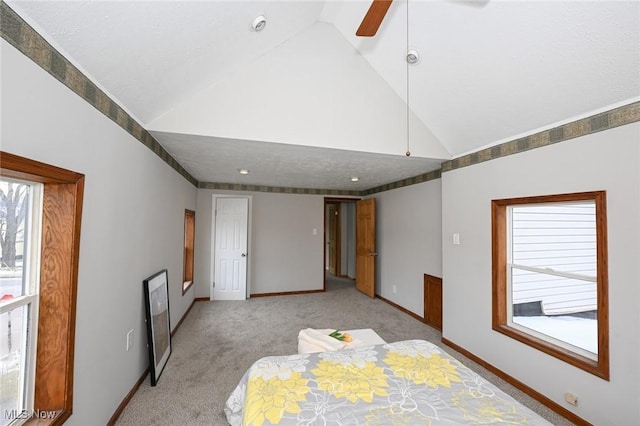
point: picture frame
(156, 298)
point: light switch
(456, 238)
(129, 339)
(315, 231)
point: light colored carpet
(219, 340)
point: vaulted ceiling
(306, 103)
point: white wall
(409, 244)
(348, 239)
(608, 161)
(132, 226)
(326, 96)
(326, 236)
(284, 255)
(344, 247)
(351, 238)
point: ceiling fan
(373, 18)
(378, 9)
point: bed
(412, 382)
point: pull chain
(408, 153)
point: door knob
(243, 255)
(373, 253)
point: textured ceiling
(490, 71)
(292, 166)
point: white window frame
(511, 265)
(30, 300)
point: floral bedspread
(412, 382)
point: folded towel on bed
(318, 340)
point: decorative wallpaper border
(314, 191)
(620, 116)
(24, 38)
(27, 40)
(276, 189)
(425, 177)
(30, 43)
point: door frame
(327, 201)
(338, 240)
(214, 199)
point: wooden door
(366, 246)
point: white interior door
(230, 248)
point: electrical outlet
(129, 339)
(571, 398)
(394, 289)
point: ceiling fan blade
(373, 18)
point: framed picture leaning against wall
(156, 297)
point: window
(550, 276)
(20, 211)
(46, 395)
(189, 242)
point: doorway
(340, 242)
(231, 224)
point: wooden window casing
(189, 243)
(62, 212)
(500, 317)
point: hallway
(333, 283)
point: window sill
(40, 418)
(556, 351)
(186, 286)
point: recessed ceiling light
(259, 23)
(243, 171)
(354, 179)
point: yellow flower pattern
(351, 382)
(390, 417)
(484, 410)
(406, 383)
(431, 370)
(270, 399)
